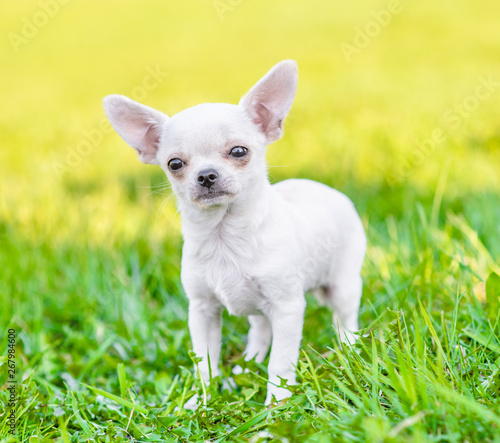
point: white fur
(249, 246)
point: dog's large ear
(139, 125)
(270, 100)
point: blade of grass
(119, 400)
(483, 341)
(433, 332)
(122, 379)
(83, 424)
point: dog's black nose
(207, 177)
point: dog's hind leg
(258, 341)
(259, 338)
(344, 297)
(345, 286)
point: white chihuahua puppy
(249, 246)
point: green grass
(90, 258)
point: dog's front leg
(287, 320)
(205, 322)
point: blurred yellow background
(377, 79)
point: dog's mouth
(212, 197)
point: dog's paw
(192, 403)
(278, 394)
(237, 370)
(228, 384)
(346, 337)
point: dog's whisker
(157, 191)
(172, 222)
(165, 183)
(162, 207)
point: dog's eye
(175, 164)
(238, 151)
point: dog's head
(211, 153)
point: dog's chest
(229, 275)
